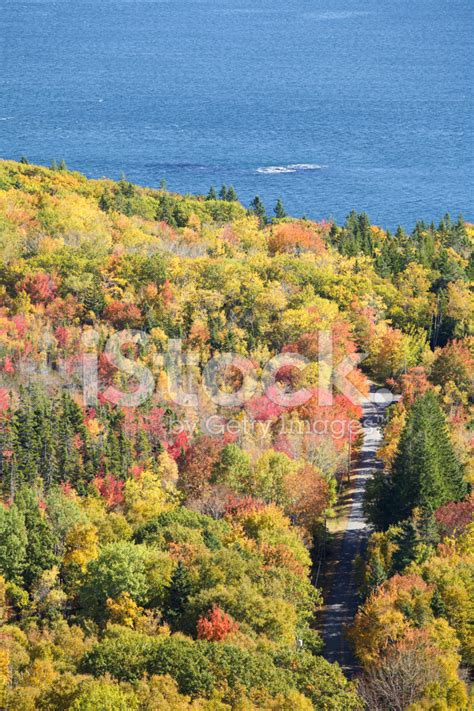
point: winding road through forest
(341, 596)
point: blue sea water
(330, 104)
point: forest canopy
(156, 550)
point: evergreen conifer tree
(13, 542)
(406, 539)
(377, 574)
(223, 193)
(178, 593)
(426, 472)
(231, 195)
(40, 538)
(69, 423)
(257, 208)
(24, 440)
(279, 210)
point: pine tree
(437, 604)
(377, 574)
(24, 440)
(211, 195)
(231, 195)
(105, 201)
(164, 212)
(426, 472)
(142, 446)
(118, 457)
(44, 424)
(68, 458)
(93, 298)
(13, 542)
(178, 592)
(7, 485)
(279, 210)
(406, 540)
(40, 538)
(364, 233)
(427, 528)
(257, 208)
(223, 193)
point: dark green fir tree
(231, 195)
(258, 208)
(279, 210)
(426, 473)
(178, 593)
(223, 193)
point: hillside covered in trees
(169, 455)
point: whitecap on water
(292, 168)
(306, 166)
(343, 15)
(275, 169)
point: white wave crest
(292, 168)
(344, 15)
(307, 166)
(275, 169)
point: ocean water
(330, 105)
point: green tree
(117, 455)
(233, 468)
(223, 193)
(211, 195)
(407, 540)
(376, 574)
(120, 568)
(69, 425)
(25, 439)
(13, 543)
(178, 592)
(279, 210)
(41, 542)
(258, 208)
(122, 652)
(102, 695)
(231, 195)
(426, 472)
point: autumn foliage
(158, 552)
(217, 626)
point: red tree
(40, 287)
(217, 626)
(111, 489)
(123, 315)
(197, 464)
(452, 518)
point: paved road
(341, 598)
